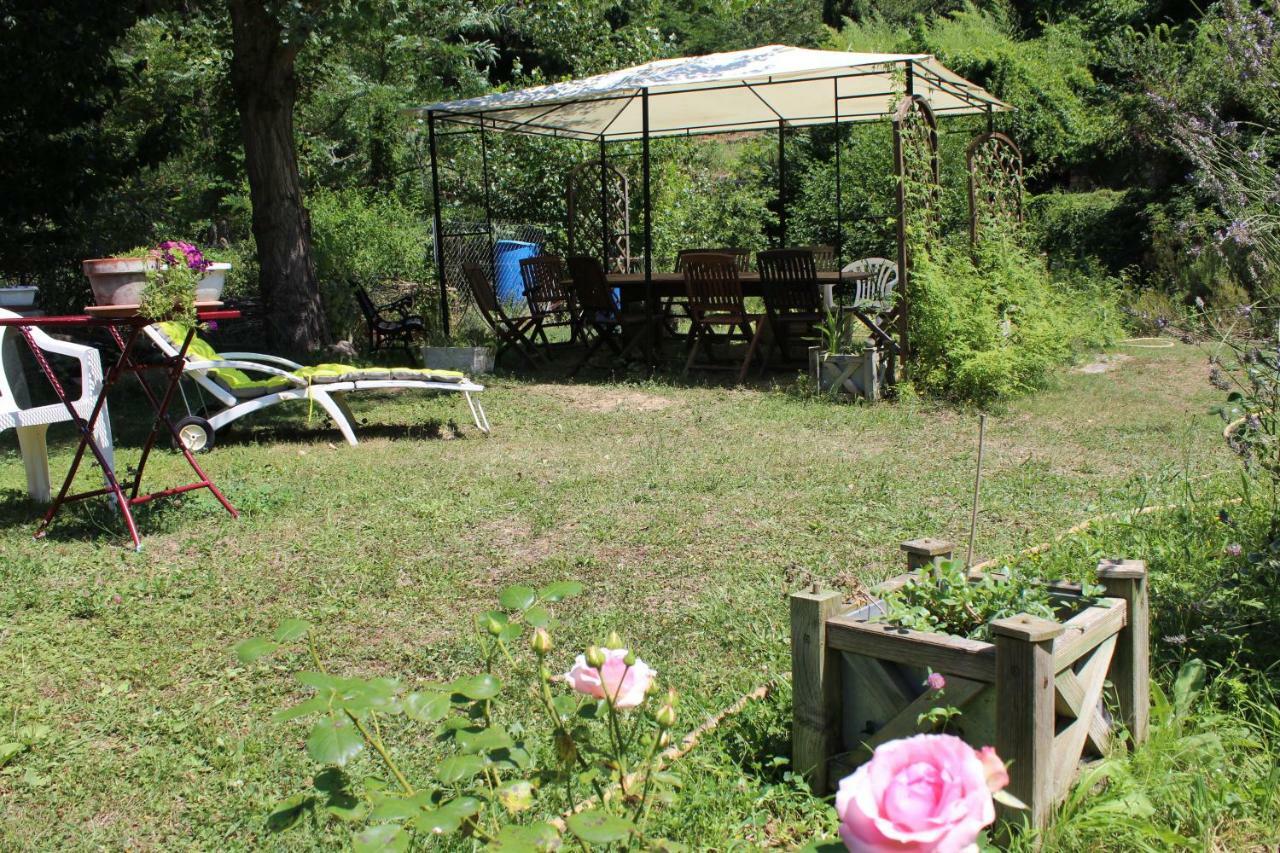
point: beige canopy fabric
(756, 89)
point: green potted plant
(842, 365)
(164, 281)
(211, 284)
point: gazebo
(762, 89)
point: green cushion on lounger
(244, 386)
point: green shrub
(1074, 228)
(368, 240)
(993, 325)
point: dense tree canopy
(122, 125)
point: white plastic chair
(876, 291)
(32, 423)
(197, 432)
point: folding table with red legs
(125, 330)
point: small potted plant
(164, 282)
(210, 287)
(17, 296)
(843, 365)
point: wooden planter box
(469, 360)
(850, 374)
(1036, 693)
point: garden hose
(1147, 343)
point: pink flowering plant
(930, 793)
(175, 269)
(495, 780)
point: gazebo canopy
(757, 89)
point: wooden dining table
(671, 284)
(667, 285)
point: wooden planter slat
(1086, 629)
(1081, 693)
(1036, 691)
(966, 658)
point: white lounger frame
(329, 395)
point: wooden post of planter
(1127, 579)
(923, 552)
(815, 683)
(1025, 711)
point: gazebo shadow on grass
(604, 369)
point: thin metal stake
(977, 489)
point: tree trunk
(262, 75)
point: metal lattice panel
(915, 155)
(588, 193)
(994, 163)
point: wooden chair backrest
(713, 283)
(824, 257)
(880, 286)
(482, 292)
(741, 257)
(590, 285)
(789, 280)
(544, 286)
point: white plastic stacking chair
(32, 423)
(876, 291)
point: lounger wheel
(196, 433)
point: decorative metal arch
(919, 194)
(994, 163)
(599, 200)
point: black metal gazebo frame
(972, 101)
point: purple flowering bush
(1221, 111)
(176, 268)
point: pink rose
(935, 681)
(625, 685)
(920, 794)
(997, 774)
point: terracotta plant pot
(209, 288)
(117, 281)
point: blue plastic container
(507, 255)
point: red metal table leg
(86, 440)
(161, 407)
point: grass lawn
(686, 511)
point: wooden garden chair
(824, 257)
(600, 311)
(792, 301)
(550, 300)
(714, 285)
(513, 333)
(675, 309)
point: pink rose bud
(541, 642)
(613, 641)
(997, 774)
(666, 716)
(625, 686)
(927, 792)
(935, 681)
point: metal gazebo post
(782, 184)
(604, 208)
(648, 226)
(835, 112)
(488, 203)
(438, 248)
